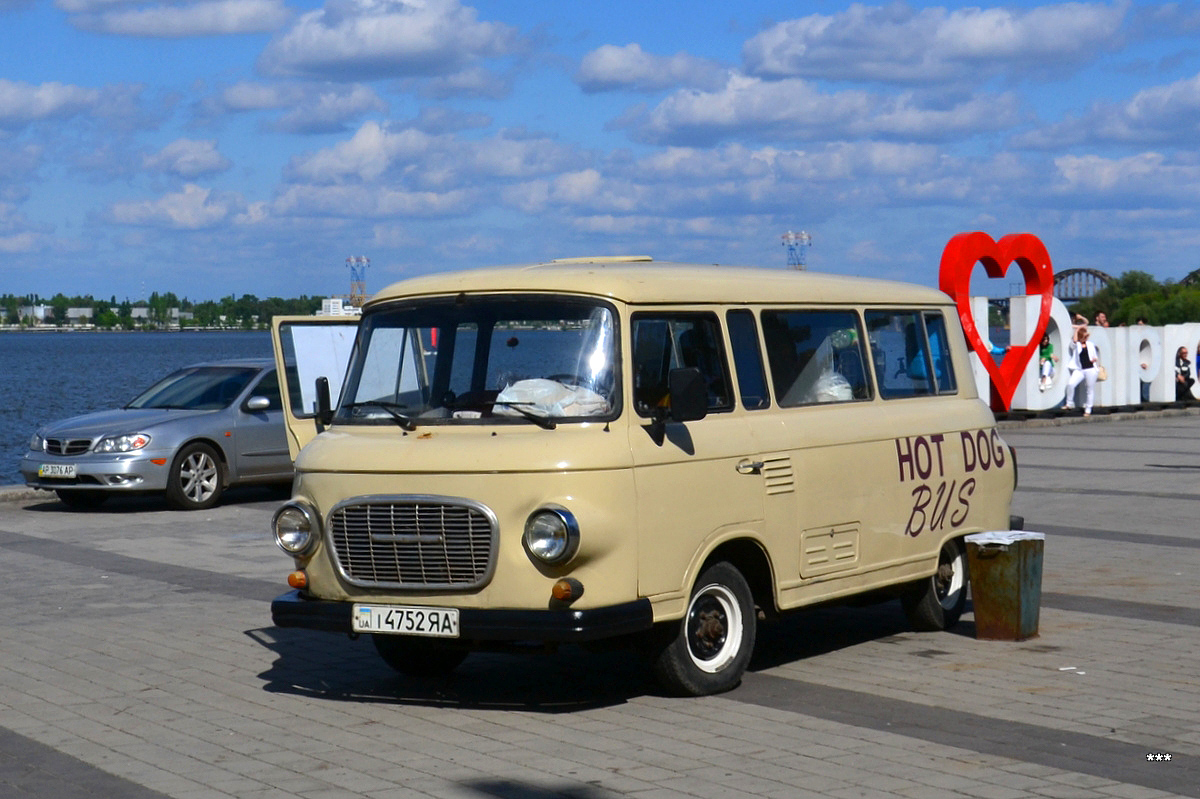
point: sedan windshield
(470, 358)
(203, 388)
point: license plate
(66, 470)
(406, 620)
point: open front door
(308, 347)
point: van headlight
(296, 528)
(551, 535)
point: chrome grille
(68, 446)
(413, 542)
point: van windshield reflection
(483, 358)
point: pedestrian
(1101, 319)
(1183, 376)
(1046, 361)
(1083, 360)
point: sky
(217, 147)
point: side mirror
(324, 411)
(689, 394)
(258, 404)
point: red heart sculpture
(958, 262)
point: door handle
(750, 467)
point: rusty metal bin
(1006, 583)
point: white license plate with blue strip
(406, 620)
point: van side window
(662, 342)
(939, 348)
(747, 360)
(901, 351)
(815, 356)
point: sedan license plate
(406, 620)
(62, 470)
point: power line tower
(796, 244)
(358, 279)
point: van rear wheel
(937, 602)
(708, 650)
(418, 657)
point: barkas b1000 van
(617, 449)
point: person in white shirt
(1083, 361)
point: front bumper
(115, 472)
(480, 624)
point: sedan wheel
(195, 481)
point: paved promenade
(138, 661)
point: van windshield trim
(485, 359)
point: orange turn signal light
(567, 589)
(298, 580)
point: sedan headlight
(125, 443)
(37, 443)
(551, 535)
(296, 528)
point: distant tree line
(247, 312)
(1137, 295)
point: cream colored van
(619, 449)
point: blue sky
(215, 147)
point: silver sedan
(190, 435)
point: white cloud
(1144, 174)
(371, 202)
(310, 107)
(789, 109)
(21, 103)
(898, 44)
(610, 67)
(366, 155)
(193, 208)
(1158, 115)
(368, 39)
(204, 18)
(793, 109)
(188, 158)
(432, 161)
(21, 243)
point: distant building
(336, 306)
(37, 313)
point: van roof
(638, 280)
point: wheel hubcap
(714, 628)
(948, 581)
(198, 475)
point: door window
(662, 342)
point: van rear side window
(815, 357)
(911, 352)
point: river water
(49, 376)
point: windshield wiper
(391, 407)
(545, 422)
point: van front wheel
(937, 602)
(709, 649)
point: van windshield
(464, 359)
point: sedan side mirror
(258, 404)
